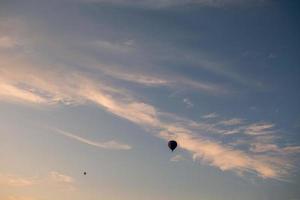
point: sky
(101, 86)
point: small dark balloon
(172, 145)
(84, 173)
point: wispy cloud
(16, 181)
(210, 116)
(60, 178)
(191, 136)
(60, 181)
(291, 149)
(262, 147)
(12, 92)
(52, 179)
(225, 157)
(113, 145)
(14, 197)
(207, 150)
(146, 80)
(259, 129)
(231, 122)
(177, 158)
(7, 42)
(176, 82)
(188, 103)
(121, 47)
(36, 82)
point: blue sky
(102, 85)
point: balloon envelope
(172, 145)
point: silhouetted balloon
(172, 145)
(84, 173)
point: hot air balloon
(172, 145)
(84, 173)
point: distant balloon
(84, 173)
(172, 145)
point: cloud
(259, 129)
(225, 157)
(231, 122)
(20, 198)
(125, 47)
(107, 46)
(12, 92)
(198, 60)
(70, 86)
(291, 149)
(210, 116)
(212, 152)
(113, 145)
(146, 80)
(175, 82)
(177, 158)
(38, 82)
(232, 131)
(262, 147)
(20, 82)
(203, 86)
(7, 42)
(188, 103)
(16, 181)
(220, 68)
(60, 181)
(60, 178)
(53, 179)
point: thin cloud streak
(259, 129)
(113, 145)
(157, 81)
(231, 122)
(60, 178)
(177, 158)
(260, 147)
(16, 181)
(53, 179)
(125, 47)
(210, 116)
(146, 80)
